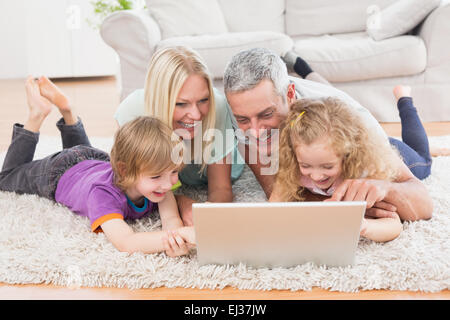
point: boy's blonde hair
(363, 153)
(168, 70)
(144, 145)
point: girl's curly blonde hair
(363, 153)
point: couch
(331, 35)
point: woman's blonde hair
(363, 153)
(144, 145)
(168, 70)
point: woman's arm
(185, 208)
(219, 181)
(381, 230)
(219, 190)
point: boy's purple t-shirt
(88, 190)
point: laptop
(278, 234)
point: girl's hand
(381, 230)
(174, 244)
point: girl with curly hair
(323, 144)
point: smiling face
(153, 187)
(192, 106)
(318, 162)
(259, 110)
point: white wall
(36, 39)
(13, 34)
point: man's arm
(266, 181)
(408, 194)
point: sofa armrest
(435, 32)
(133, 34)
(131, 31)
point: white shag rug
(43, 242)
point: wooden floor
(96, 100)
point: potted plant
(103, 8)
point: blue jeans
(414, 148)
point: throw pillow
(187, 17)
(398, 18)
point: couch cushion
(307, 17)
(254, 15)
(188, 17)
(399, 18)
(217, 50)
(356, 56)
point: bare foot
(58, 98)
(439, 152)
(53, 93)
(38, 105)
(402, 91)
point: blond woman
(178, 91)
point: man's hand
(369, 190)
(185, 208)
(382, 209)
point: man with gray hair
(260, 91)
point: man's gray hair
(249, 67)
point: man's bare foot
(38, 105)
(402, 91)
(439, 152)
(58, 98)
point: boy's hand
(174, 245)
(188, 235)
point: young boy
(138, 176)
